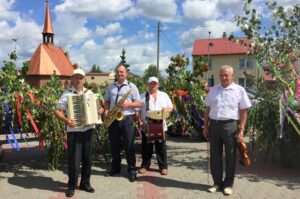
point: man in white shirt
(154, 100)
(79, 139)
(224, 124)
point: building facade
(221, 51)
(48, 59)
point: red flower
(181, 92)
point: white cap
(79, 71)
(152, 79)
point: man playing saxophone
(118, 127)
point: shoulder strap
(147, 100)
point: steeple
(47, 31)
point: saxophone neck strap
(119, 88)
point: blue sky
(96, 31)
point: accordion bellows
(83, 109)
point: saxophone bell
(116, 112)
(119, 115)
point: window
(244, 82)
(246, 62)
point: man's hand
(71, 122)
(239, 135)
(140, 123)
(124, 106)
(105, 114)
(100, 111)
(205, 132)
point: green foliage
(276, 49)
(123, 59)
(52, 129)
(264, 118)
(40, 103)
(186, 91)
(138, 81)
(96, 69)
(151, 71)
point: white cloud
(146, 35)
(216, 28)
(68, 33)
(22, 35)
(156, 9)
(5, 10)
(99, 9)
(200, 10)
(111, 28)
(107, 54)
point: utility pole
(208, 46)
(157, 61)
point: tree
(276, 48)
(31, 110)
(96, 69)
(187, 94)
(123, 59)
(151, 71)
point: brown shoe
(142, 170)
(164, 171)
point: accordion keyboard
(84, 109)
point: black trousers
(147, 152)
(117, 130)
(222, 134)
(79, 148)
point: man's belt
(128, 117)
(223, 121)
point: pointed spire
(47, 31)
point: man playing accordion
(79, 138)
(154, 101)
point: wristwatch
(241, 129)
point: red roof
(97, 74)
(220, 46)
(47, 23)
(47, 59)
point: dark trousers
(117, 130)
(147, 151)
(222, 133)
(79, 148)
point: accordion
(83, 108)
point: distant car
(252, 94)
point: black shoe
(70, 192)
(111, 173)
(87, 188)
(132, 177)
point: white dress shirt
(162, 101)
(225, 103)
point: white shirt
(162, 101)
(225, 103)
(63, 105)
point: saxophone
(116, 113)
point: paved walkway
(24, 175)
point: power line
(175, 47)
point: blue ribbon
(7, 127)
(21, 134)
(197, 117)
